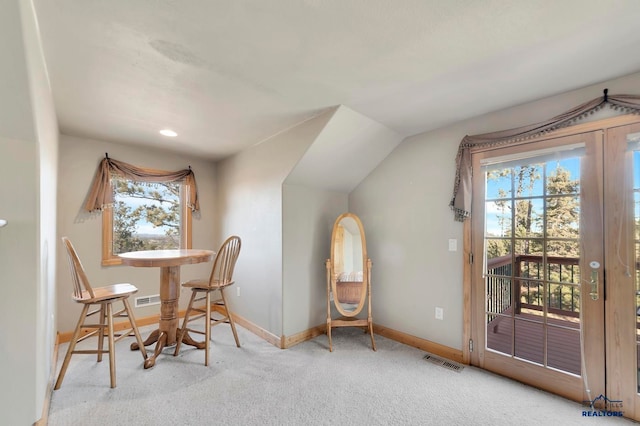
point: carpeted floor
(259, 384)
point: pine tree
(162, 210)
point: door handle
(594, 280)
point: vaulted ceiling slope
(227, 74)
(347, 149)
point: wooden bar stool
(221, 278)
(102, 300)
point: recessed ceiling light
(168, 132)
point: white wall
(404, 208)
(307, 218)
(79, 159)
(250, 205)
(46, 125)
(28, 144)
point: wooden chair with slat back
(103, 298)
(221, 277)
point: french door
(555, 283)
(622, 260)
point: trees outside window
(145, 216)
(533, 213)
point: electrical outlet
(238, 291)
(439, 313)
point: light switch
(453, 245)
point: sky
(493, 212)
(144, 227)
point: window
(145, 216)
(142, 209)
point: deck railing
(527, 272)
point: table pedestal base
(161, 340)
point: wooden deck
(563, 340)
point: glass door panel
(536, 237)
(633, 144)
(529, 337)
(623, 267)
(536, 211)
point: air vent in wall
(154, 299)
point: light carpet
(259, 384)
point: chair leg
(230, 318)
(72, 346)
(134, 326)
(112, 352)
(373, 342)
(184, 324)
(207, 329)
(103, 317)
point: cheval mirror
(348, 276)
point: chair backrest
(79, 277)
(225, 262)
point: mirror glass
(348, 254)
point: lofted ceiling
(230, 74)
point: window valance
(101, 194)
(461, 201)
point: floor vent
(154, 299)
(444, 363)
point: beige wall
(308, 216)
(28, 153)
(315, 193)
(250, 205)
(79, 158)
(403, 205)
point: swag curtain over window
(101, 194)
(461, 201)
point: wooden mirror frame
(337, 260)
(348, 317)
